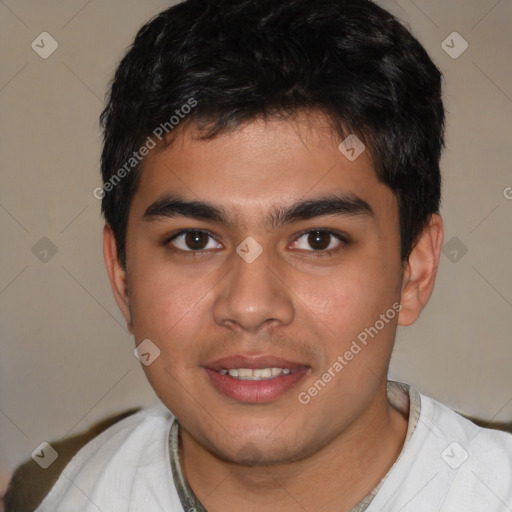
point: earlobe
(116, 274)
(420, 271)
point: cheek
(169, 309)
(350, 297)
(166, 303)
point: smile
(256, 373)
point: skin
(290, 302)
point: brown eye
(193, 240)
(320, 240)
(196, 240)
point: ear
(116, 274)
(420, 272)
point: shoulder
(452, 425)
(475, 463)
(83, 460)
(449, 464)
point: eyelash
(318, 253)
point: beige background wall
(66, 357)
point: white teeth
(256, 373)
(260, 372)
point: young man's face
(302, 301)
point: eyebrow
(347, 204)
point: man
(271, 195)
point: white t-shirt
(447, 464)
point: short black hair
(222, 63)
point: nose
(253, 295)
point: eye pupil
(316, 238)
(195, 239)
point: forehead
(260, 166)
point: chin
(251, 450)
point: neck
(337, 477)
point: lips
(248, 379)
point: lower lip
(255, 391)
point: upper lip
(263, 361)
